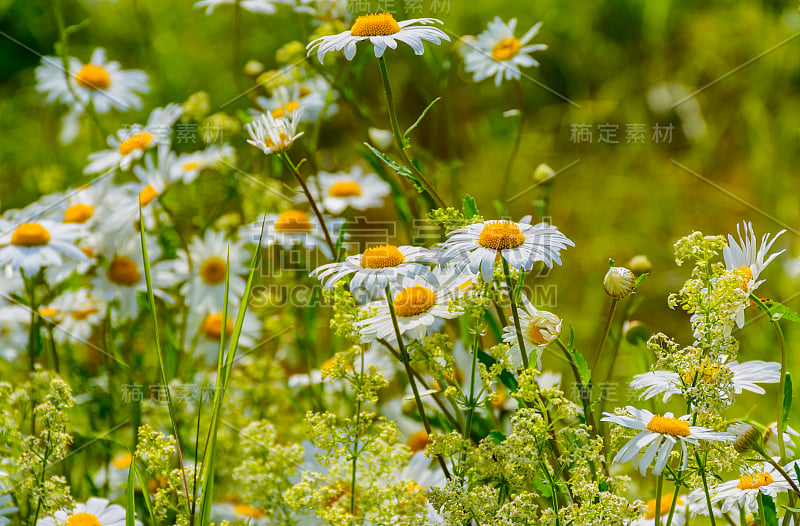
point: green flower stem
(659, 488)
(398, 136)
(410, 374)
(611, 311)
(30, 284)
(762, 518)
(702, 466)
(674, 502)
(778, 468)
(515, 313)
(355, 441)
(285, 157)
(471, 409)
(782, 348)
(517, 138)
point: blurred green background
(618, 62)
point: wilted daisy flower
(381, 30)
(744, 491)
(101, 83)
(539, 329)
(273, 135)
(30, 246)
(649, 518)
(480, 245)
(96, 512)
(295, 227)
(266, 7)
(204, 268)
(377, 266)
(745, 377)
(14, 323)
(132, 142)
(75, 314)
(205, 331)
(420, 305)
(658, 435)
(187, 167)
(497, 52)
(354, 189)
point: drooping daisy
(377, 266)
(480, 245)
(101, 83)
(383, 31)
(497, 52)
(420, 305)
(188, 166)
(204, 268)
(95, 512)
(265, 7)
(205, 332)
(273, 135)
(747, 258)
(30, 246)
(745, 377)
(131, 142)
(747, 434)
(744, 491)
(649, 518)
(658, 435)
(539, 329)
(354, 189)
(76, 314)
(295, 227)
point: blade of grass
(145, 493)
(130, 500)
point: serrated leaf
(469, 206)
(401, 170)
(583, 367)
(787, 400)
(419, 120)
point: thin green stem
(659, 488)
(606, 330)
(517, 138)
(355, 442)
(762, 518)
(30, 285)
(672, 505)
(702, 466)
(515, 314)
(410, 374)
(778, 468)
(398, 136)
(471, 408)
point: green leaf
(497, 436)
(779, 311)
(143, 485)
(419, 120)
(640, 279)
(340, 241)
(401, 170)
(583, 367)
(770, 513)
(602, 485)
(130, 501)
(787, 400)
(470, 208)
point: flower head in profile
(744, 491)
(657, 436)
(497, 52)
(480, 245)
(383, 31)
(273, 134)
(539, 329)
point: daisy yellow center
(138, 141)
(88, 252)
(414, 301)
(79, 213)
(82, 519)
(755, 482)
(278, 112)
(666, 504)
(249, 511)
(506, 48)
(93, 77)
(668, 426)
(48, 312)
(293, 222)
(122, 461)
(271, 144)
(501, 235)
(281, 111)
(213, 270)
(147, 195)
(191, 165)
(85, 313)
(304, 92)
(123, 271)
(345, 189)
(748, 275)
(212, 326)
(706, 374)
(536, 335)
(30, 235)
(380, 24)
(418, 441)
(381, 257)
(500, 399)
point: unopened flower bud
(635, 332)
(253, 68)
(619, 282)
(640, 264)
(543, 174)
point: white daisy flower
(744, 491)
(747, 258)
(6, 509)
(377, 266)
(480, 245)
(295, 227)
(205, 331)
(697, 504)
(649, 518)
(421, 307)
(96, 512)
(354, 189)
(746, 434)
(115, 474)
(122, 278)
(131, 142)
(204, 268)
(539, 329)
(101, 83)
(76, 314)
(374, 356)
(745, 377)
(30, 246)
(14, 323)
(383, 31)
(497, 52)
(308, 96)
(658, 435)
(264, 7)
(187, 167)
(273, 135)
(237, 512)
(153, 183)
